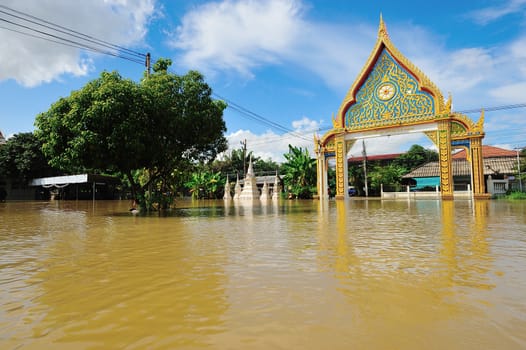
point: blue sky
(290, 62)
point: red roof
(487, 152)
(375, 157)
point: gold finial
(382, 29)
(480, 124)
(335, 122)
(449, 103)
(317, 143)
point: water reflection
(294, 274)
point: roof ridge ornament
(382, 28)
(479, 126)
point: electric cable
(119, 51)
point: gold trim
(382, 42)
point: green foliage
(299, 173)
(163, 123)
(205, 184)
(516, 195)
(390, 175)
(416, 156)
(99, 128)
(21, 158)
(232, 163)
(356, 177)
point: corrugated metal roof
(492, 166)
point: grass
(516, 195)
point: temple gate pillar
(477, 168)
(342, 178)
(322, 182)
(444, 161)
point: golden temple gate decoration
(392, 95)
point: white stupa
(264, 192)
(250, 188)
(277, 188)
(237, 188)
(227, 195)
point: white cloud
(389, 144)
(31, 61)
(240, 36)
(490, 14)
(237, 35)
(272, 145)
(510, 93)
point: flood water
(351, 274)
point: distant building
(380, 159)
(2, 138)
(500, 166)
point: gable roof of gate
(389, 91)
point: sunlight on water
(299, 274)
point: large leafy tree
(299, 172)
(21, 158)
(116, 125)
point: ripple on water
(356, 274)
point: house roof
(62, 181)
(487, 152)
(375, 157)
(461, 167)
(260, 180)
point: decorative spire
(382, 28)
(479, 127)
(227, 194)
(449, 103)
(336, 122)
(250, 171)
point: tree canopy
(117, 125)
(299, 172)
(21, 158)
(414, 157)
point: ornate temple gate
(392, 96)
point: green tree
(389, 175)
(414, 157)
(206, 184)
(233, 163)
(116, 125)
(299, 172)
(21, 158)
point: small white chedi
(250, 189)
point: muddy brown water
(357, 274)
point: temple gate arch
(392, 96)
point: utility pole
(519, 167)
(148, 64)
(364, 154)
(244, 143)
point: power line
(256, 117)
(57, 33)
(491, 109)
(73, 45)
(68, 31)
